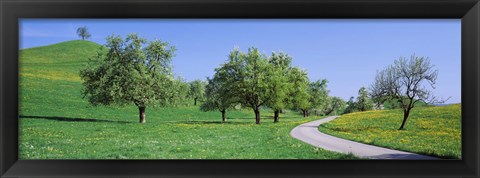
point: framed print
(239, 88)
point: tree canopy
(364, 103)
(406, 81)
(280, 66)
(247, 75)
(299, 97)
(254, 80)
(318, 96)
(218, 96)
(197, 90)
(133, 70)
(334, 106)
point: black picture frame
(466, 10)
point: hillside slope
(64, 52)
(61, 61)
(49, 79)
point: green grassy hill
(57, 123)
(49, 77)
(60, 61)
(434, 130)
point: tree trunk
(316, 113)
(304, 113)
(224, 116)
(275, 117)
(307, 113)
(405, 117)
(328, 112)
(142, 114)
(257, 116)
(195, 103)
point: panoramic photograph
(328, 89)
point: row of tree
(252, 79)
(134, 70)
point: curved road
(309, 133)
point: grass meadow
(432, 130)
(57, 123)
(179, 133)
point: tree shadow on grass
(356, 129)
(264, 117)
(403, 156)
(217, 122)
(68, 119)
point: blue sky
(348, 53)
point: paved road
(309, 133)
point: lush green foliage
(130, 73)
(350, 106)
(334, 106)
(57, 123)
(255, 80)
(434, 130)
(248, 77)
(318, 96)
(299, 98)
(180, 94)
(364, 103)
(280, 66)
(218, 96)
(197, 90)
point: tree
(364, 103)
(407, 81)
(130, 73)
(197, 90)
(335, 105)
(247, 75)
(379, 103)
(351, 106)
(83, 32)
(278, 82)
(180, 93)
(299, 97)
(218, 96)
(318, 95)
